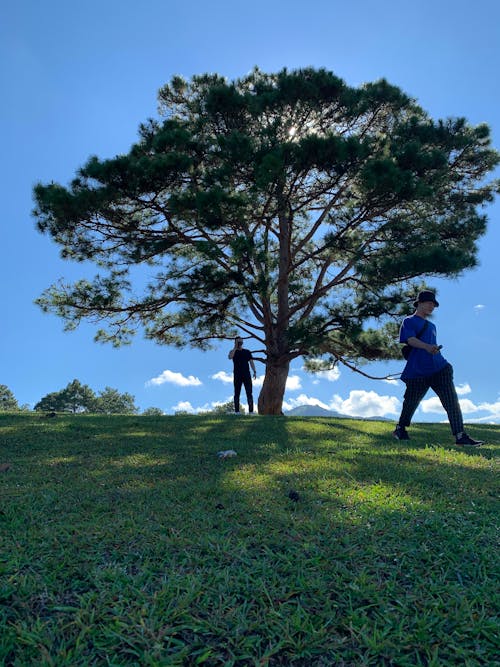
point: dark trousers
(442, 384)
(245, 380)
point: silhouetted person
(242, 361)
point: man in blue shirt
(425, 369)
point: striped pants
(442, 384)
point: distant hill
(312, 411)
(317, 411)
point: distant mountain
(317, 411)
(312, 411)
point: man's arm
(231, 353)
(252, 366)
(413, 341)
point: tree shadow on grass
(188, 445)
(139, 513)
(108, 448)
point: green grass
(126, 541)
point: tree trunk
(271, 395)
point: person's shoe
(400, 433)
(466, 441)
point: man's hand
(413, 341)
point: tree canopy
(290, 208)
(77, 398)
(8, 401)
(111, 402)
(226, 408)
(152, 412)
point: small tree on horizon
(226, 408)
(152, 412)
(75, 398)
(289, 208)
(111, 401)
(8, 401)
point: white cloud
(479, 307)
(495, 419)
(366, 404)
(293, 383)
(467, 406)
(370, 404)
(359, 404)
(490, 407)
(259, 381)
(493, 410)
(186, 406)
(174, 378)
(183, 406)
(331, 375)
(432, 405)
(392, 381)
(227, 378)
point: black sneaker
(466, 441)
(400, 433)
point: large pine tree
(289, 208)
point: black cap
(426, 295)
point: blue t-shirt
(420, 362)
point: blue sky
(77, 79)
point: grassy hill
(127, 541)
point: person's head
(426, 302)
(238, 341)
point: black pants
(245, 380)
(440, 382)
